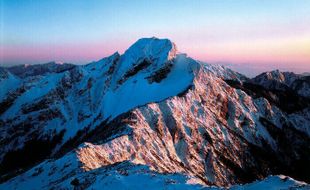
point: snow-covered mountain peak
(284, 81)
(150, 108)
(283, 77)
(153, 48)
(276, 79)
(148, 54)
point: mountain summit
(149, 113)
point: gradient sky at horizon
(264, 33)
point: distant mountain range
(305, 74)
(152, 118)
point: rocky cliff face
(149, 107)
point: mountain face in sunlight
(152, 118)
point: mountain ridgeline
(151, 113)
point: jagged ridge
(154, 107)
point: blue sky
(255, 31)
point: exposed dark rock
(160, 74)
(288, 101)
(138, 67)
(10, 98)
(33, 151)
(293, 150)
(75, 182)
